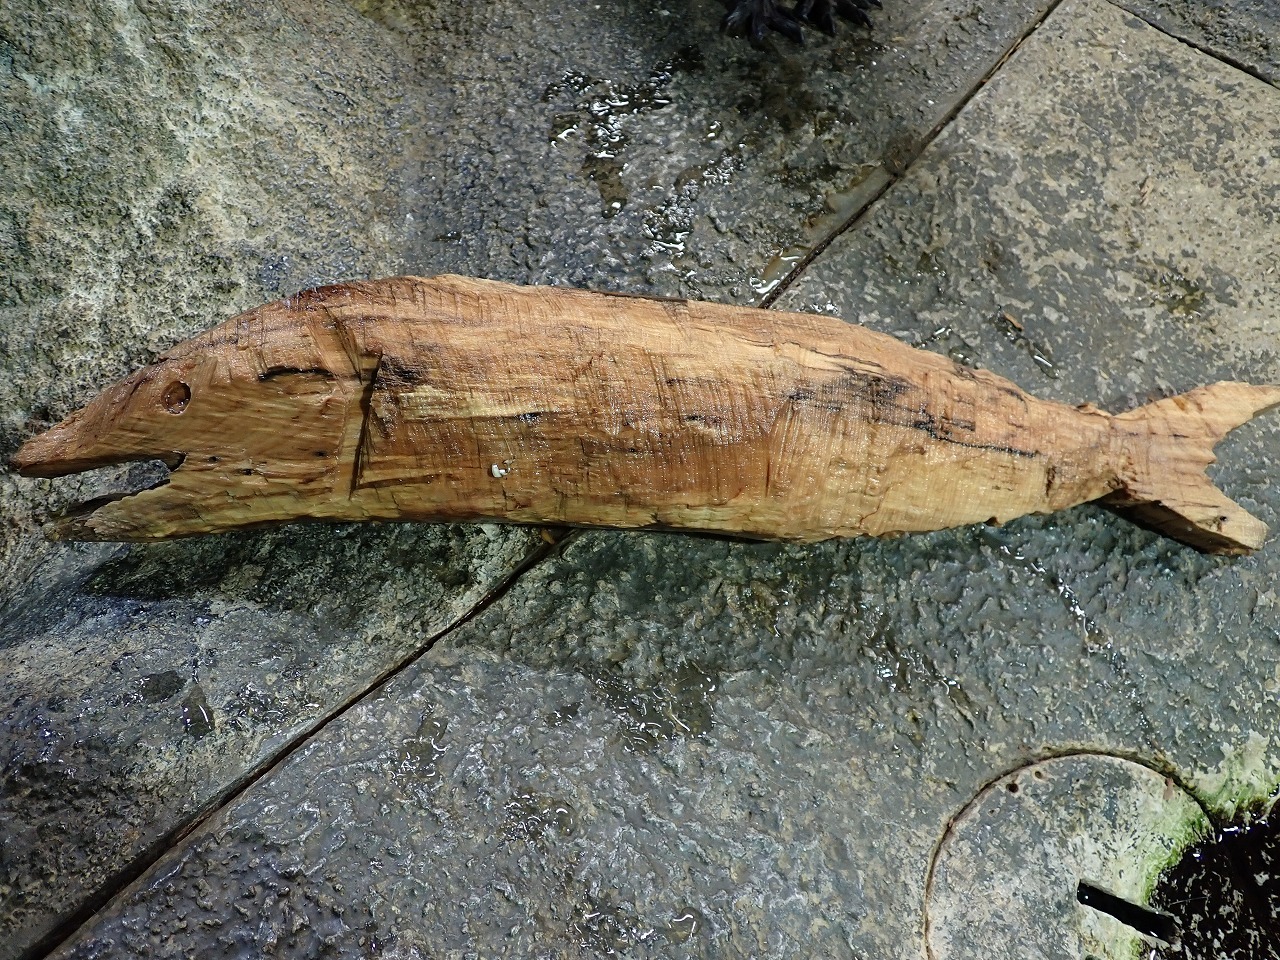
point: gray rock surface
(168, 164)
(1120, 209)
(648, 746)
(141, 692)
(1245, 33)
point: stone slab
(169, 164)
(665, 746)
(1244, 33)
(138, 694)
(672, 746)
(1099, 232)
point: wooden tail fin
(1163, 473)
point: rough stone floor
(466, 741)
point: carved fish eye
(177, 397)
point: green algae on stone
(1245, 780)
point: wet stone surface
(169, 164)
(653, 746)
(768, 739)
(479, 826)
(699, 159)
(1241, 32)
(1114, 199)
(138, 693)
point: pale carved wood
(450, 399)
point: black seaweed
(1225, 892)
(755, 18)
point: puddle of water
(839, 207)
(958, 348)
(1014, 331)
(599, 118)
(417, 761)
(534, 817)
(677, 705)
(608, 930)
(1179, 294)
(156, 687)
(685, 925)
(197, 717)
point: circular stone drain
(1056, 860)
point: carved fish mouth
(85, 440)
(69, 448)
(76, 522)
(88, 440)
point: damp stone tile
(137, 694)
(655, 154)
(1240, 32)
(656, 746)
(664, 746)
(1099, 225)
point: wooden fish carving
(449, 399)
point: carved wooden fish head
(250, 418)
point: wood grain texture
(450, 399)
